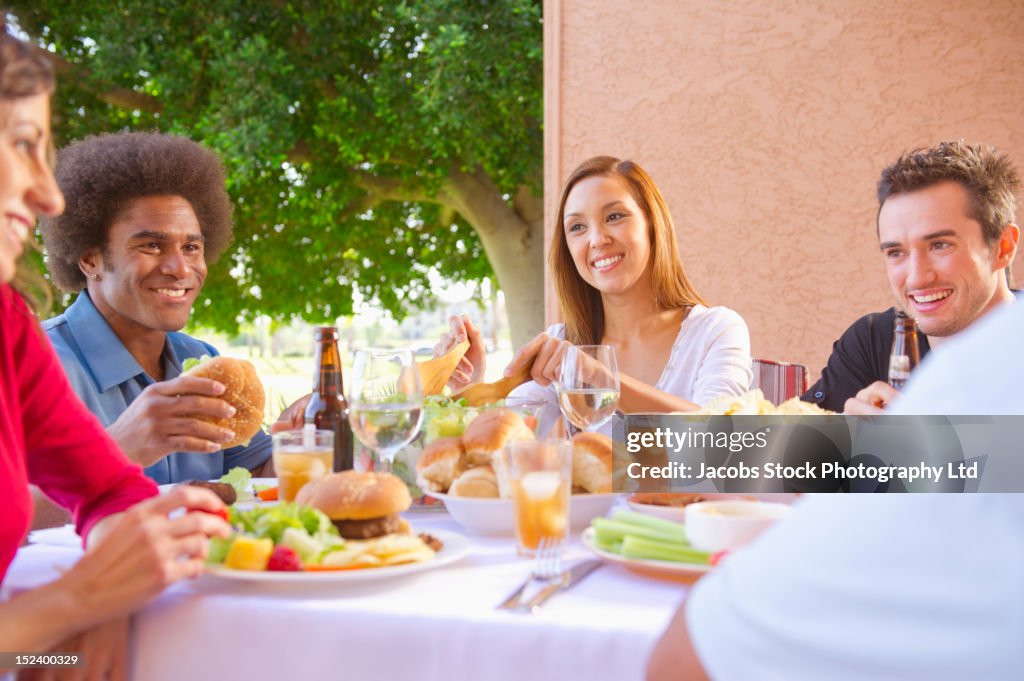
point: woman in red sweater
(48, 438)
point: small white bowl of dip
(729, 524)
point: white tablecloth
(439, 624)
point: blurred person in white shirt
(875, 587)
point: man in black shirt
(946, 227)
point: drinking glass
(301, 456)
(386, 402)
(588, 385)
(540, 475)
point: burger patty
(223, 490)
(368, 529)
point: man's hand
(471, 367)
(544, 354)
(104, 648)
(160, 421)
(871, 400)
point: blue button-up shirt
(107, 379)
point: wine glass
(588, 385)
(386, 402)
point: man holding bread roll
(145, 215)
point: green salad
(304, 530)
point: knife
(575, 574)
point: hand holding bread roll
(242, 390)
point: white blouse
(710, 357)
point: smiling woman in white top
(620, 282)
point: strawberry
(283, 559)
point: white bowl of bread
(465, 473)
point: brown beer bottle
(905, 351)
(327, 407)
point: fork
(547, 567)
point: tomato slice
(220, 513)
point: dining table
(432, 625)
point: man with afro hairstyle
(146, 213)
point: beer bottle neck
(328, 380)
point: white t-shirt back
(923, 587)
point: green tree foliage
(365, 143)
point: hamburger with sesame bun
(362, 505)
(242, 390)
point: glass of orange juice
(540, 475)
(301, 456)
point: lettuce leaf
(238, 478)
(192, 362)
(271, 522)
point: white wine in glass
(588, 385)
(386, 402)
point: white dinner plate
(657, 568)
(455, 548)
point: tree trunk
(513, 239)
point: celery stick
(637, 547)
(610, 546)
(614, 528)
(603, 536)
(649, 521)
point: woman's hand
(472, 365)
(104, 649)
(544, 354)
(142, 551)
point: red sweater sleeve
(69, 454)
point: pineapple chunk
(248, 553)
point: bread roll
(592, 462)
(491, 431)
(500, 466)
(439, 464)
(476, 482)
(242, 390)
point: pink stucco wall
(765, 125)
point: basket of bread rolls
(465, 473)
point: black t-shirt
(859, 358)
